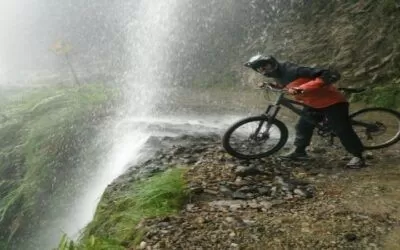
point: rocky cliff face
(360, 38)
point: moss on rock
(387, 96)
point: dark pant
(338, 120)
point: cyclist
(313, 87)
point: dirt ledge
(270, 204)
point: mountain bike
(263, 135)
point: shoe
(294, 155)
(356, 162)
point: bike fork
(270, 114)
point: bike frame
(273, 109)
(281, 100)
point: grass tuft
(40, 141)
(115, 224)
(387, 96)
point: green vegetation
(115, 224)
(40, 140)
(387, 96)
(389, 6)
(91, 244)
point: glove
(295, 91)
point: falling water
(147, 81)
(143, 85)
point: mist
(149, 52)
(29, 29)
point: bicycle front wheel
(376, 127)
(255, 137)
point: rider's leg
(338, 118)
(304, 133)
(304, 129)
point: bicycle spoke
(255, 137)
(245, 141)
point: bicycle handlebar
(268, 86)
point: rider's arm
(307, 72)
(327, 76)
(313, 84)
(304, 84)
(308, 78)
(312, 73)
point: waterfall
(143, 85)
(149, 47)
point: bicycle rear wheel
(377, 127)
(254, 137)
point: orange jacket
(316, 94)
